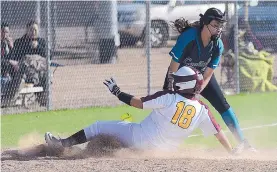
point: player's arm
(136, 102)
(176, 53)
(122, 96)
(158, 100)
(168, 81)
(174, 66)
(221, 137)
(210, 127)
(209, 71)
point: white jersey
(174, 118)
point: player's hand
(111, 84)
(9, 41)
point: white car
(132, 17)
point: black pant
(214, 95)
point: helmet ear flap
(206, 20)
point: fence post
(0, 60)
(148, 46)
(38, 7)
(48, 54)
(236, 48)
(54, 24)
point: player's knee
(222, 106)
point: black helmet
(213, 14)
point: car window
(158, 2)
(267, 3)
(190, 2)
(260, 4)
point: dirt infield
(106, 154)
(124, 160)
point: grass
(251, 109)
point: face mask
(215, 36)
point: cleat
(53, 142)
(238, 149)
(249, 147)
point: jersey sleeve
(216, 55)
(160, 99)
(209, 126)
(183, 40)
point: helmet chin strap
(213, 37)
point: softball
(126, 117)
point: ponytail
(182, 25)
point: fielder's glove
(111, 84)
(170, 81)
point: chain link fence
(63, 50)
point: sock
(75, 139)
(231, 121)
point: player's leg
(214, 95)
(120, 129)
(59, 144)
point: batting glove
(111, 84)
